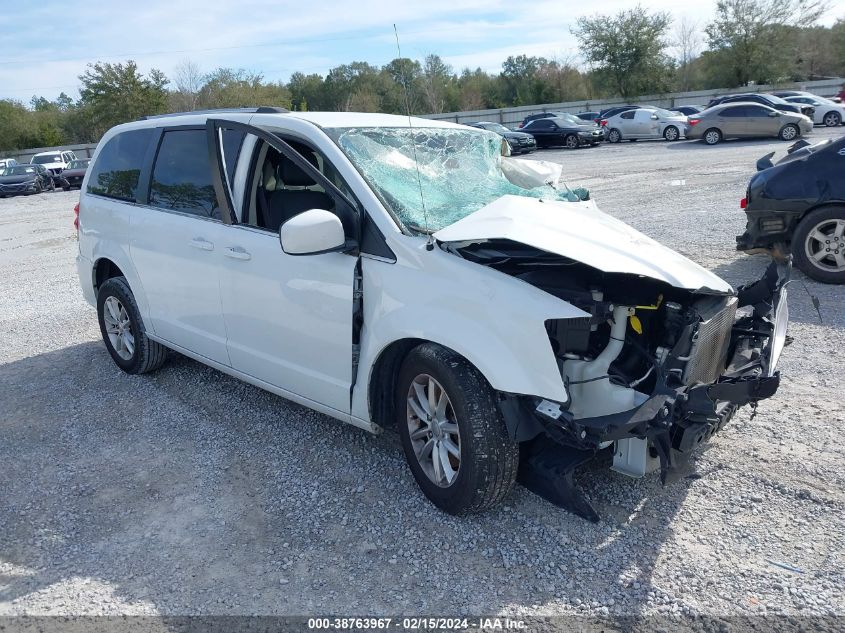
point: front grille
(709, 352)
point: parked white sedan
(645, 123)
(827, 112)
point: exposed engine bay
(652, 372)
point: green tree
(627, 50)
(116, 93)
(750, 40)
(436, 80)
(229, 88)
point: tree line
(633, 52)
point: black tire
(488, 457)
(571, 141)
(148, 355)
(832, 119)
(802, 251)
(789, 132)
(66, 188)
(713, 136)
(614, 136)
(671, 133)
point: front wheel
(789, 132)
(614, 136)
(712, 136)
(571, 142)
(452, 432)
(818, 245)
(832, 119)
(123, 329)
(671, 133)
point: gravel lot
(186, 491)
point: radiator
(708, 356)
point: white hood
(579, 231)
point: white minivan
(406, 273)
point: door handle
(202, 244)
(236, 252)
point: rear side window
(628, 115)
(181, 178)
(116, 172)
(736, 111)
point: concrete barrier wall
(511, 117)
(84, 150)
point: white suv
(55, 162)
(405, 273)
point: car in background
(74, 173)
(7, 162)
(55, 161)
(569, 132)
(689, 110)
(609, 112)
(746, 120)
(767, 100)
(25, 180)
(542, 115)
(520, 142)
(797, 205)
(826, 111)
(593, 115)
(645, 123)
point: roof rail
(255, 110)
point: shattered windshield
(433, 177)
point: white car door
(176, 245)
(288, 318)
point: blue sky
(46, 44)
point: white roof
(366, 119)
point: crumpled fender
(493, 320)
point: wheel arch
(826, 204)
(105, 269)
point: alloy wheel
(118, 328)
(832, 119)
(614, 136)
(433, 428)
(825, 246)
(671, 133)
(712, 137)
(571, 142)
(789, 132)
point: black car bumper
(18, 189)
(520, 145)
(765, 229)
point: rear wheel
(614, 136)
(671, 133)
(818, 245)
(452, 432)
(571, 141)
(712, 136)
(789, 132)
(123, 329)
(832, 119)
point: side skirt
(287, 395)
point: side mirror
(774, 114)
(654, 117)
(312, 233)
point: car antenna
(430, 244)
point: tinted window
(756, 111)
(115, 174)
(182, 175)
(736, 111)
(540, 124)
(628, 115)
(232, 141)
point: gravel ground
(187, 491)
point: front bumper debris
(673, 421)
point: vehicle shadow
(694, 144)
(187, 491)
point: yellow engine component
(636, 324)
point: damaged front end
(653, 372)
